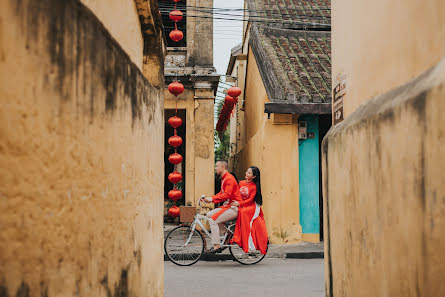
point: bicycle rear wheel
(178, 252)
(250, 258)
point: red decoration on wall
(175, 194)
(174, 211)
(176, 88)
(176, 35)
(227, 108)
(175, 122)
(175, 141)
(176, 16)
(234, 92)
(175, 177)
(175, 158)
(229, 102)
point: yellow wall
(200, 35)
(383, 165)
(81, 167)
(199, 141)
(274, 150)
(379, 45)
(121, 19)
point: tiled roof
(285, 12)
(295, 65)
(294, 62)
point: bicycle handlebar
(199, 200)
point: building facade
(383, 160)
(81, 130)
(283, 67)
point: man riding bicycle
(229, 211)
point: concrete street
(270, 278)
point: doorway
(324, 124)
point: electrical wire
(309, 7)
(282, 15)
(166, 7)
(268, 21)
(254, 18)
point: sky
(226, 35)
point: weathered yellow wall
(121, 19)
(200, 35)
(199, 142)
(384, 219)
(81, 167)
(384, 195)
(274, 150)
(379, 45)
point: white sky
(226, 35)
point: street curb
(227, 257)
(308, 255)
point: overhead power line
(251, 15)
(308, 7)
(264, 20)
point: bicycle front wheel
(183, 247)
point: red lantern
(176, 88)
(176, 0)
(175, 122)
(175, 141)
(175, 158)
(229, 101)
(175, 177)
(174, 211)
(176, 35)
(176, 16)
(226, 110)
(234, 92)
(175, 195)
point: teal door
(309, 176)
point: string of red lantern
(228, 108)
(175, 88)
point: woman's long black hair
(257, 180)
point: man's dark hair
(226, 164)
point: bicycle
(185, 245)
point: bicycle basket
(187, 214)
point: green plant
(222, 145)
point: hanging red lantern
(176, 16)
(175, 141)
(175, 158)
(176, 1)
(229, 101)
(174, 211)
(175, 177)
(234, 92)
(175, 195)
(176, 88)
(176, 35)
(175, 122)
(226, 109)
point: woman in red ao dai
(250, 231)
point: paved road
(270, 278)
